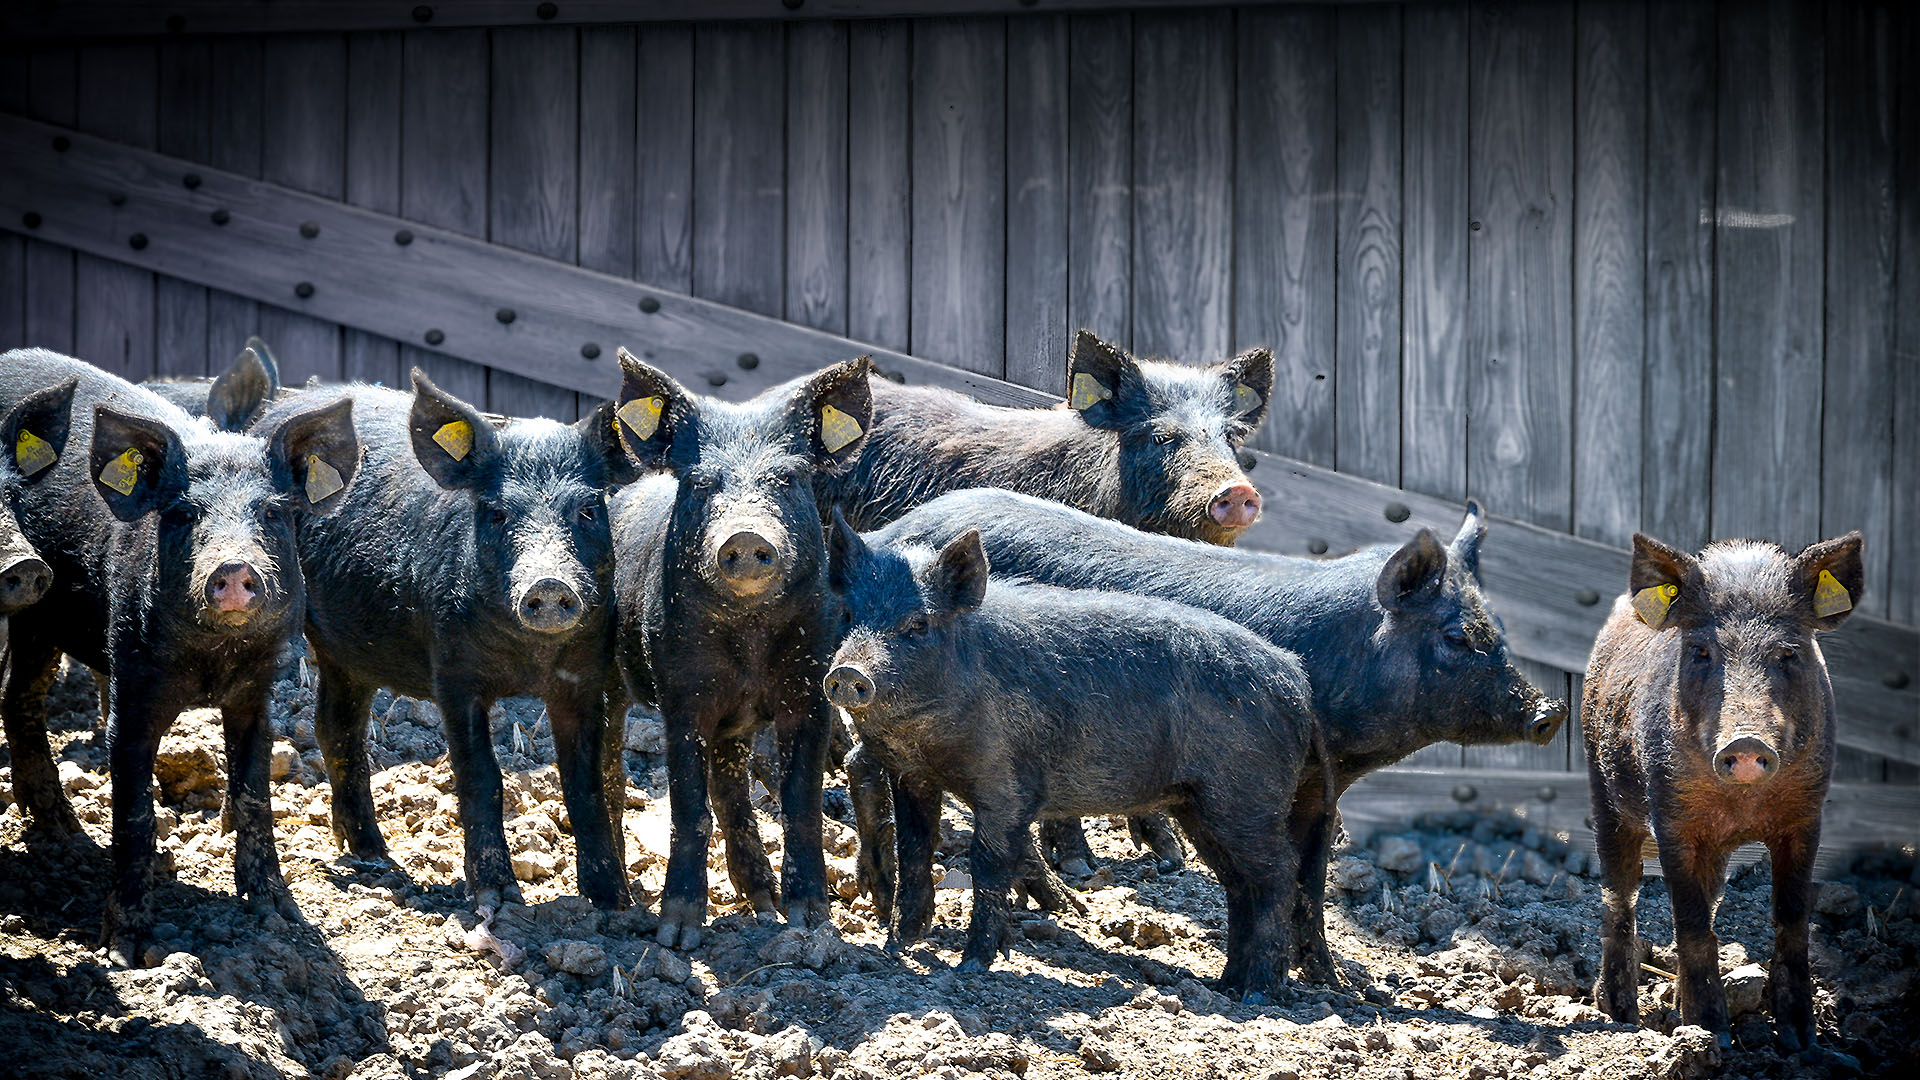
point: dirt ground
(1470, 946)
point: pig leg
(1789, 977)
(1311, 828)
(1694, 878)
(872, 796)
(803, 868)
(1066, 841)
(683, 902)
(613, 781)
(36, 780)
(481, 798)
(1155, 832)
(1000, 839)
(916, 815)
(579, 741)
(249, 744)
(1619, 848)
(134, 725)
(728, 774)
(1037, 880)
(340, 726)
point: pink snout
(234, 589)
(1745, 761)
(1235, 506)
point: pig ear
(1250, 378)
(652, 410)
(1830, 579)
(1413, 576)
(1466, 542)
(321, 449)
(1103, 382)
(1661, 581)
(845, 551)
(839, 411)
(959, 575)
(248, 383)
(597, 429)
(453, 441)
(137, 462)
(37, 430)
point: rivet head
(1546, 793)
(1398, 512)
(504, 315)
(1586, 597)
(1464, 793)
(422, 13)
(309, 229)
(403, 237)
(716, 378)
(590, 351)
(138, 241)
(191, 180)
(649, 305)
(62, 143)
(1317, 546)
(747, 361)
(1896, 680)
(176, 23)
(30, 219)
(117, 198)
(1475, 226)
(303, 290)
(435, 337)
(1247, 460)
(220, 216)
(547, 11)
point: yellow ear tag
(1087, 392)
(123, 472)
(837, 429)
(456, 439)
(1246, 399)
(32, 453)
(1651, 604)
(323, 480)
(1829, 596)
(642, 415)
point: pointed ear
(37, 430)
(1413, 576)
(1103, 382)
(454, 443)
(1661, 582)
(1250, 378)
(248, 383)
(137, 462)
(321, 450)
(836, 408)
(1466, 542)
(597, 429)
(1830, 578)
(652, 409)
(845, 551)
(959, 574)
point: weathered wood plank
(373, 178)
(879, 183)
(443, 180)
(738, 168)
(180, 345)
(13, 249)
(608, 138)
(663, 195)
(1768, 249)
(52, 91)
(1609, 270)
(1433, 286)
(1520, 322)
(1677, 417)
(1037, 181)
(959, 193)
(113, 302)
(1903, 585)
(533, 184)
(233, 144)
(817, 176)
(1182, 169)
(1100, 175)
(1367, 335)
(304, 147)
(1285, 221)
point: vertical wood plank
(1520, 322)
(607, 144)
(1182, 169)
(184, 130)
(113, 325)
(304, 147)
(1434, 271)
(663, 147)
(373, 178)
(1768, 248)
(1367, 336)
(879, 183)
(233, 144)
(1037, 270)
(13, 247)
(52, 92)
(1609, 270)
(959, 192)
(816, 269)
(738, 165)
(1100, 179)
(1677, 416)
(1903, 582)
(1285, 217)
(533, 184)
(443, 171)
(1856, 433)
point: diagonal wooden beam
(252, 238)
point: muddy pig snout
(23, 581)
(1746, 760)
(233, 592)
(747, 562)
(550, 606)
(1235, 506)
(849, 687)
(1546, 722)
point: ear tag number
(323, 480)
(1829, 596)
(1246, 399)
(1087, 392)
(123, 472)
(837, 429)
(1651, 604)
(642, 416)
(32, 453)
(456, 439)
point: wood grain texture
(52, 92)
(879, 183)
(303, 146)
(1609, 270)
(373, 178)
(608, 142)
(1100, 178)
(739, 101)
(1434, 245)
(180, 344)
(1903, 584)
(1520, 319)
(1286, 219)
(113, 303)
(1182, 169)
(816, 272)
(1367, 332)
(233, 143)
(663, 151)
(1037, 198)
(1768, 248)
(443, 175)
(14, 96)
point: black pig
(725, 621)
(174, 571)
(469, 563)
(1710, 724)
(234, 398)
(1028, 701)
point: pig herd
(1038, 611)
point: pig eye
(914, 627)
(1162, 436)
(1458, 639)
(1700, 654)
(587, 513)
(705, 483)
(270, 512)
(1785, 654)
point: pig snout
(849, 687)
(23, 581)
(1746, 760)
(1235, 506)
(1546, 722)
(747, 562)
(233, 592)
(550, 606)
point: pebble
(1400, 854)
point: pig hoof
(970, 965)
(802, 914)
(1172, 866)
(1075, 868)
(676, 936)
(1255, 997)
(1723, 1040)
(1818, 1056)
